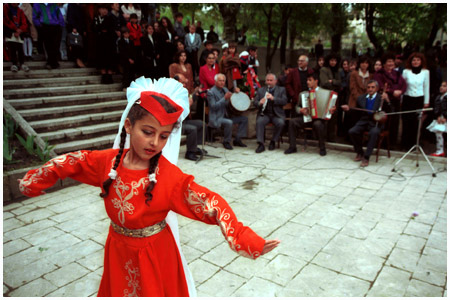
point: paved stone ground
(345, 231)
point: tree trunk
(338, 26)
(271, 51)
(369, 11)
(439, 8)
(286, 13)
(174, 7)
(229, 12)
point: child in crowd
(15, 25)
(439, 124)
(75, 42)
(141, 184)
(127, 54)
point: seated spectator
(371, 101)
(180, 66)
(218, 100)
(15, 26)
(193, 129)
(270, 101)
(75, 42)
(319, 125)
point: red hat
(151, 102)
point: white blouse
(418, 85)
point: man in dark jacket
(371, 101)
(270, 101)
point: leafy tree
(401, 23)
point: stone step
(101, 142)
(39, 64)
(44, 73)
(55, 82)
(75, 121)
(64, 90)
(77, 132)
(66, 100)
(39, 113)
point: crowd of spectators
(126, 39)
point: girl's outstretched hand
(270, 245)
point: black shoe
(48, 67)
(191, 156)
(199, 151)
(271, 145)
(260, 148)
(323, 152)
(227, 145)
(239, 143)
(290, 150)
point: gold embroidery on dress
(124, 192)
(58, 162)
(204, 205)
(133, 282)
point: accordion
(318, 101)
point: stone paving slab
(345, 231)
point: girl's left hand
(270, 245)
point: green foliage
(7, 150)
(9, 128)
(9, 125)
(401, 23)
(28, 144)
(44, 155)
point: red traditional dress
(147, 266)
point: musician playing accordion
(319, 125)
(369, 105)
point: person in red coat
(135, 36)
(14, 26)
(141, 187)
(206, 77)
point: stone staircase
(68, 106)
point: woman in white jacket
(417, 96)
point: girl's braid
(108, 181)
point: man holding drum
(218, 100)
(319, 125)
(372, 101)
(270, 101)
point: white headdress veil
(177, 93)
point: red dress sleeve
(197, 202)
(84, 166)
